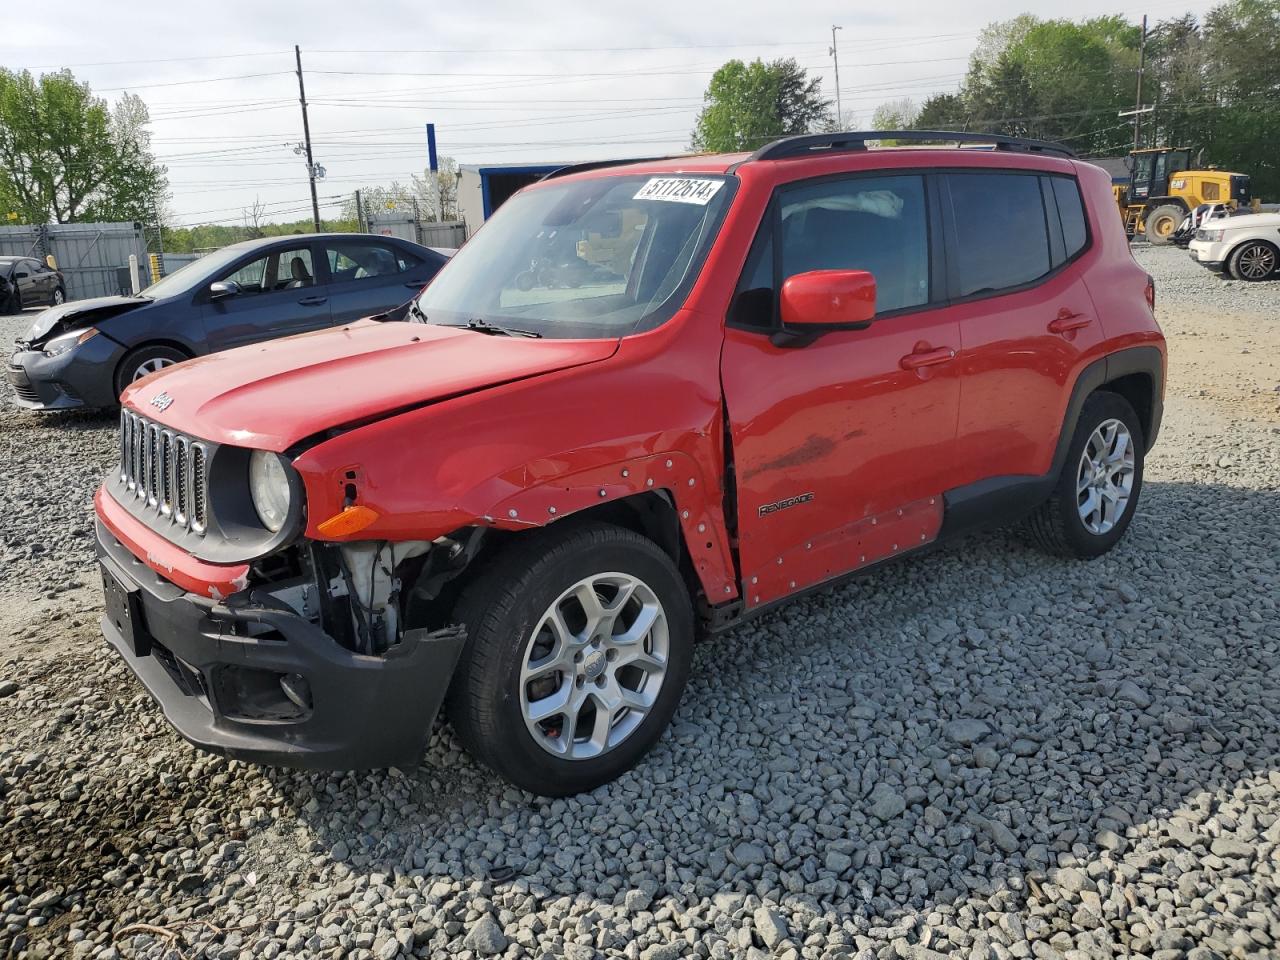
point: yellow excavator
(1163, 189)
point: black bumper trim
(366, 712)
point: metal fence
(429, 233)
(89, 255)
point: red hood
(271, 395)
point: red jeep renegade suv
(646, 401)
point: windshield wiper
(484, 326)
(416, 311)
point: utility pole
(1142, 62)
(835, 56)
(360, 213)
(306, 139)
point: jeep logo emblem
(161, 401)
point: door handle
(1066, 320)
(927, 358)
(313, 301)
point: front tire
(579, 642)
(1097, 492)
(1162, 222)
(145, 361)
(1253, 260)
(58, 298)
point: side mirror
(822, 301)
(223, 289)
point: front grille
(164, 470)
(25, 391)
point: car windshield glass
(190, 276)
(588, 258)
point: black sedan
(28, 282)
(84, 354)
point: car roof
(248, 245)
(825, 146)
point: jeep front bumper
(262, 683)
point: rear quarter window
(1002, 238)
(1071, 214)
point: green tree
(65, 157)
(749, 104)
(1055, 80)
(942, 111)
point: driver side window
(278, 270)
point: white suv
(1245, 247)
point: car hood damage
(272, 396)
(73, 316)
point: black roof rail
(601, 164)
(857, 140)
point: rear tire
(544, 691)
(58, 298)
(144, 361)
(1162, 222)
(1253, 260)
(1097, 492)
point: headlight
(1212, 236)
(269, 488)
(69, 341)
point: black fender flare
(1146, 360)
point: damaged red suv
(646, 402)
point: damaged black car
(83, 354)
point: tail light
(1151, 293)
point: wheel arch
(1273, 244)
(134, 350)
(1135, 373)
(1153, 203)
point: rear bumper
(215, 670)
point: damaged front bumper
(83, 377)
(259, 682)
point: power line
(180, 83)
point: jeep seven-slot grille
(164, 470)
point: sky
(503, 81)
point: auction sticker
(679, 190)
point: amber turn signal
(350, 520)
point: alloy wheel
(1257, 261)
(594, 666)
(58, 298)
(148, 367)
(1104, 478)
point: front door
(278, 295)
(842, 447)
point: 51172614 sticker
(679, 190)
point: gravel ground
(982, 752)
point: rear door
(842, 446)
(27, 276)
(371, 276)
(279, 295)
(1015, 242)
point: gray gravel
(981, 753)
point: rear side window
(1071, 214)
(362, 261)
(1002, 238)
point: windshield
(588, 258)
(191, 275)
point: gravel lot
(982, 752)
